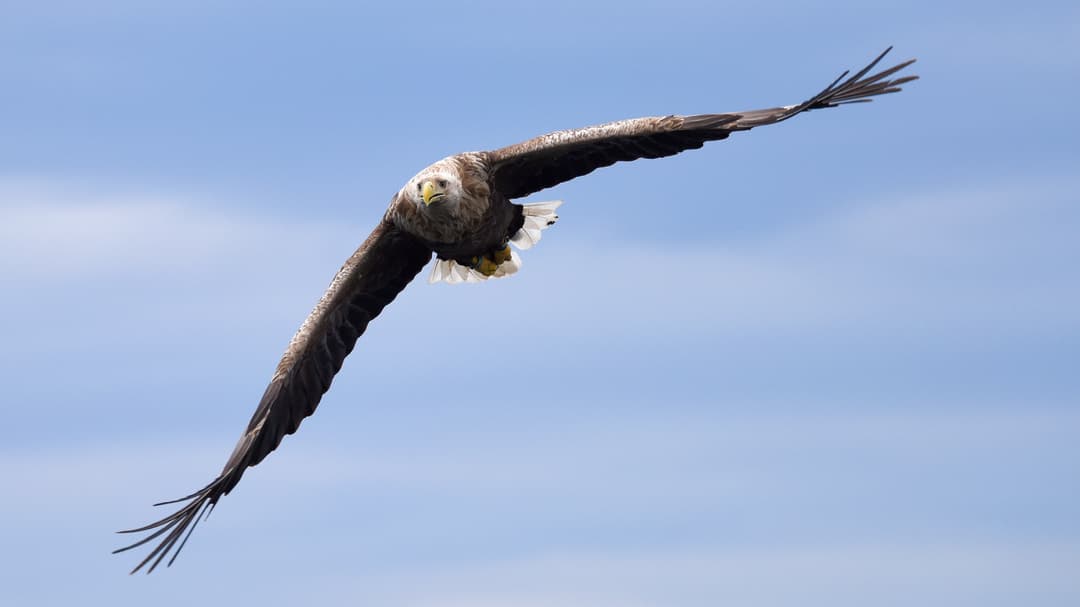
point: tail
(539, 216)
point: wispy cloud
(595, 512)
(847, 575)
(81, 263)
(51, 234)
(969, 260)
(722, 456)
(931, 574)
(984, 258)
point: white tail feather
(452, 272)
(439, 271)
(539, 216)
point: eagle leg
(489, 264)
(501, 255)
(485, 265)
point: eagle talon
(502, 255)
(485, 265)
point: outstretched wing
(369, 280)
(530, 166)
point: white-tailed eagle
(461, 209)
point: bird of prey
(461, 210)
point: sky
(828, 362)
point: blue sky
(830, 362)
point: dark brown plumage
(369, 280)
(524, 168)
(460, 209)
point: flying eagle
(461, 209)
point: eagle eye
(442, 183)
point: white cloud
(967, 262)
(310, 508)
(606, 458)
(81, 262)
(905, 574)
(993, 258)
(51, 234)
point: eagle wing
(369, 280)
(530, 166)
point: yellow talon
(503, 255)
(489, 264)
(486, 266)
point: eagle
(462, 210)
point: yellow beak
(430, 192)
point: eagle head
(435, 189)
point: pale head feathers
(445, 176)
(461, 182)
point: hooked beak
(430, 192)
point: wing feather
(530, 166)
(368, 281)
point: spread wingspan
(391, 257)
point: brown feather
(530, 166)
